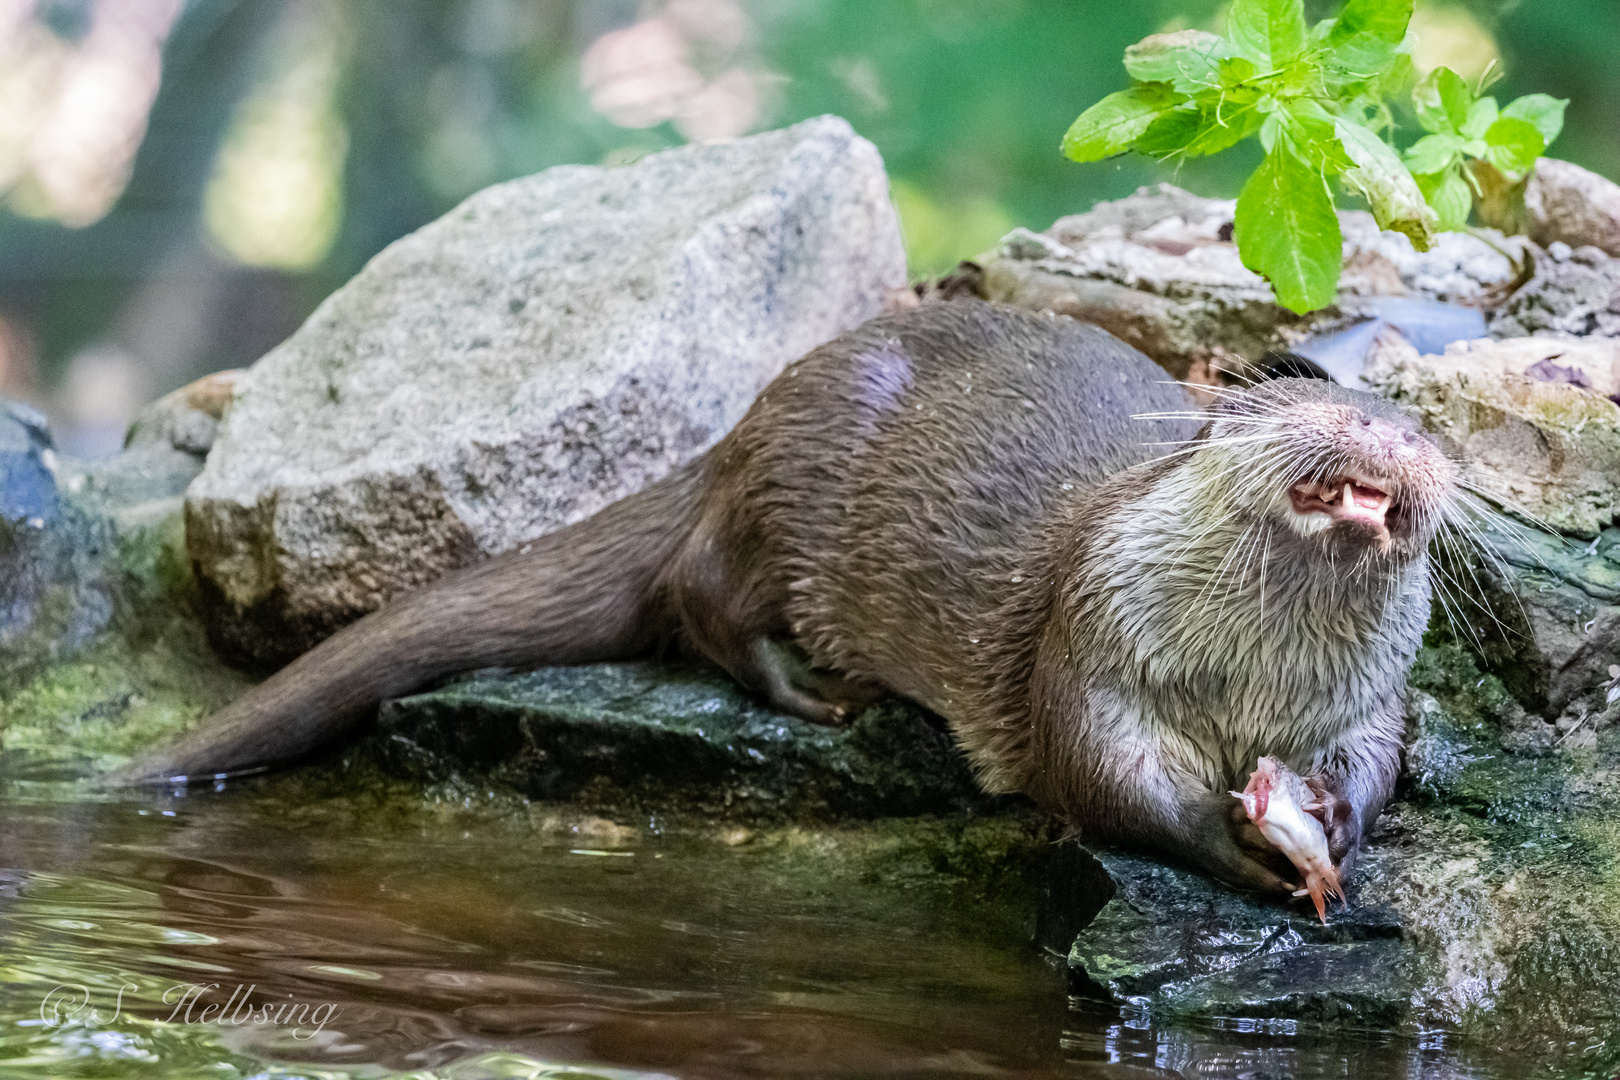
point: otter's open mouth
(1358, 498)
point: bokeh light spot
(276, 195)
(1448, 36)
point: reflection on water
(420, 941)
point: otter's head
(1346, 470)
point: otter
(1117, 601)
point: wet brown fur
(913, 508)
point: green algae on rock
(109, 660)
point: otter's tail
(587, 592)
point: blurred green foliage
(967, 100)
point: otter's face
(1344, 468)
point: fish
(1280, 802)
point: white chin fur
(1307, 524)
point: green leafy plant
(1467, 132)
(1316, 97)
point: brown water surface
(392, 935)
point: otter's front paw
(1229, 848)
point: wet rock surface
(669, 736)
(1160, 271)
(28, 513)
(1187, 947)
(1532, 418)
(58, 572)
(1549, 625)
(553, 344)
(101, 653)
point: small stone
(188, 418)
(1568, 206)
(604, 832)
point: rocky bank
(561, 340)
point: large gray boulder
(551, 345)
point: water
(442, 940)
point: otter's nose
(1387, 437)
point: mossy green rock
(1487, 902)
(676, 735)
(100, 655)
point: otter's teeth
(1349, 496)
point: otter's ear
(1278, 364)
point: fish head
(1257, 796)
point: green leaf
(1189, 59)
(1287, 231)
(1448, 193)
(1358, 60)
(1379, 177)
(1268, 32)
(1271, 130)
(1235, 71)
(1481, 115)
(1400, 74)
(1385, 20)
(1364, 38)
(1199, 129)
(1442, 101)
(1110, 126)
(1432, 153)
(1513, 145)
(1315, 135)
(1546, 112)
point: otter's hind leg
(732, 609)
(789, 682)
